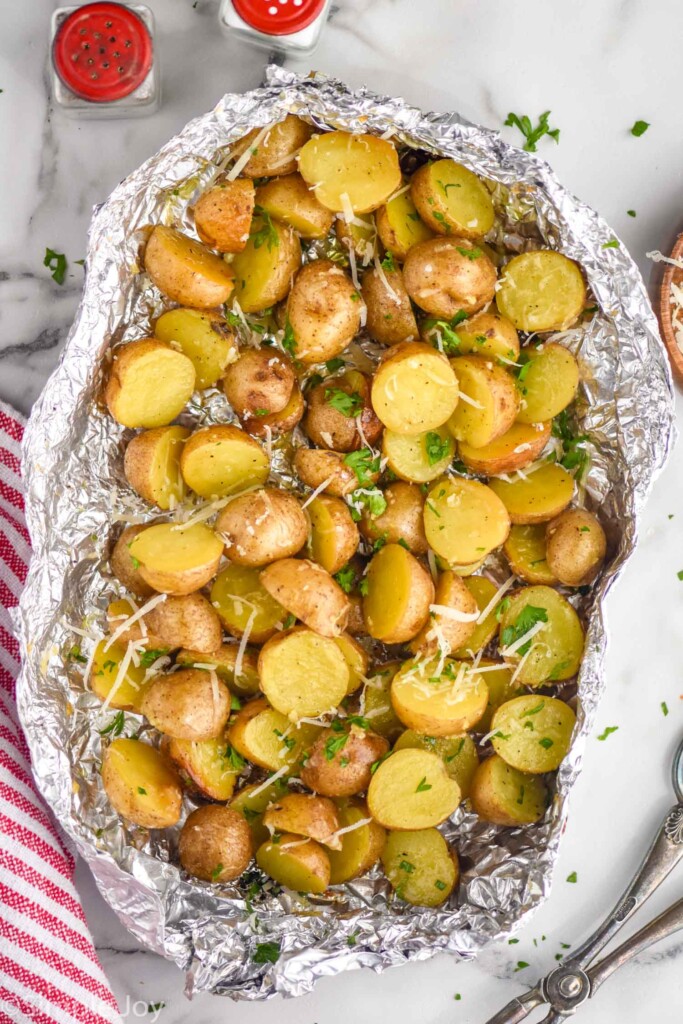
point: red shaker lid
(102, 52)
(279, 17)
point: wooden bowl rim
(665, 318)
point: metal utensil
(573, 982)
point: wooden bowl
(671, 275)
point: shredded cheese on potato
(319, 489)
(244, 159)
(120, 677)
(485, 612)
(469, 401)
(454, 613)
(514, 647)
(393, 295)
(137, 616)
(244, 640)
(347, 828)
(269, 781)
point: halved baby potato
(305, 815)
(350, 171)
(390, 318)
(489, 401)
(452, 200)
(399, 225)
(276, 151)
(360, 235)
(266, 266)
(276, 423)
(334, 536)
(489, 335)
(105, 671)
(505, 796)
(215, 844)
(446, 276)
(122, 630)
(356, 658)
(251, 802)
(414, 389)
(149, 383)
(340, 414)
(262, 525)
(360, 848)
(464, 520)
(411, 789)
(310, 593)
(267, 738)
(316, 467)
(541, 291)
(341, 759)
(201, 335)
(445, 703)
(399, 593)
(575, 547)
(303, 674)
(483, 591)
(301, 865)
(259, 382)
(419, 458)
(323, 311)
(185, 271)
(537, 497)
(554, 651)
(223, 661)
(152, 465)
(187, 705)
(222, 460)
(177, 559)
(550, 382)
(222, 215)
(420, 866)
(453, 618)
(185, 620)
(533, 734)
(525, 550)
(141, 784)
(290, 200)
(124, 567)
(517, 448)
(458, 753)
(207, 764)
(377, 707)
(244, 606)
(402, 520)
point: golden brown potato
(203, 336)
(267, 738)
(533, 734)
(334, 536)
(341, 759)
(420, 866)
(505, 796)
(414, 389)
(303, 674)
(357, 660)
(323, 310)
(124, 567)
(439, 703)
(487, 334)
(552, 647)
(305, 815)
(575, 547)
(141, 784)
(104, 676)
(276, 151)
(541, 291)
(537, 497)
(354, 173)
(489, 401)
(290, 200)
(188, 620)
(419, 458)
(525, 550)
(222, 215)
(447, 275)
(517, 448)
(390, 315)
(452, 200)
(316, 467)
(223, 661)
(301, 865)
(215, 844)
(260, 382)
(464, 520)
(152, 465)
(399, 226)
(261, 526)
(265, 268)
(458, 753)
(149, 383)
(125, 632)
(276, 423)
(336, 407)
(188, 705)
(401, 522)
(452, 621)
(185, 271)
(399, 593)
(208, 765)
(361, 847)
(221, 460)
(360, 235)
(177, 560)
(310, 593)
(412, 790)
(244, 606)
(356, 624)
(549, 381)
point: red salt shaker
(293, 26)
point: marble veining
(598, 65)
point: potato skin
(402, 519)
(261, 526)
(149, 383)
(505, 796)
(187, 620)
(575, 547)
(334, 536)
(442, 281)
(224, 657)
(347, 771)
(306, 590)
(390, 316)
(516, 448)
(322, 311)
(409, 603)
(185, 271)
(328, 427)
(141, 784)
(260, 382)
(222, 215)
(188, 705)
(303, 867)
(132, 632)
(314, 466)
(150, 454)
(305, 815)
(451, 592)
(494, 389)
(276, 152)
(290, 200)
(123, 565)
(215, 844)
(277, 423)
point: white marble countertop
(598, 65)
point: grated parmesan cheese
(273, 778)
(244, 640)
(454, 613)
(244, 159)
(135, 617)
(393, 295)
(314, 494)
(485, 612)
(513, 648)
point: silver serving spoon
(573, 982)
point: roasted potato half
(185, 271)
(399, 593)
(301, 865)
(251, 802)
(505, 796)
(359, 235)
(402, 520)
(187, 705)
(453, 618)
(208, 764)
(485, 334)
(554, 641)
(244, 606)
(323, 311)
(575, 547)
(420, 866)
(356, 658)
(152, 465)
(289, 200)
(124, 629)
(215, 844)
(464, 520)
(267, 738)
(177, 559)
(411, 789)
(439, 703)
(334, 536)
(309, 592)
(185, 620)
(483, 591)
(141, 784)
(445, 276)
(360, 847)
(355, 173)
(105, 673)
(390, 317)
(305, 815)
(537, 496)
(550, 382)
(259, 382)
(516, 449)
(458, 753)
(452, 200)
(533, 734)
(204, 337)
(541, 291)
(124, 566)
(340, 414)
(265, 268)
(399, 226)
(525, 550)
(316, 467)
(501, 688)
(222, 460)
(263, 525)
(419, 458)
(276, 423)
(414, 389)
(340, 761)
(276, 150)
(489, 401)
(242, 679)
(303, 674)
(222, 215)
(377, 707)
(149, 383)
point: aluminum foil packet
(75, 488)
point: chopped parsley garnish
(521, 964)
(334, 744)
(56, 264)
(639, 128)
(358, 720)
(364, 463)
(442, 220)
(527, 618)
(380, 542)
(332, 365)
(423, 785)
(346, 578)
(216, 873)
(502, 608)
(388, 262)
(533, 135)
(261, 412)
(558, 668)
(352, 939)
(631, 213)
(432, 507)
(546, 743)
(450, 341)
(115, 727)
(406, 866)
(437, 447)
(573, 877)
(363, 588)
(266, 953)
(445, 188)
(288, 741)
(266, 234)
(148, 658)
(289, 621)
(520, 798)
(403, 543)
(348, 405)
(371, 498)
(142, 791)
(538, 707)
(512, 942)
(375, 764)
(574, 454)
(612, 244)
(471, 254)
(679, 574)
(608, 732)
(665, 708)
(438, 884)
(288, 340)
(235, 760)
(232, 318)
(75, 655)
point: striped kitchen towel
(49, 970)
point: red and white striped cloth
(49, 971)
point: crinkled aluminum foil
(74, 480)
